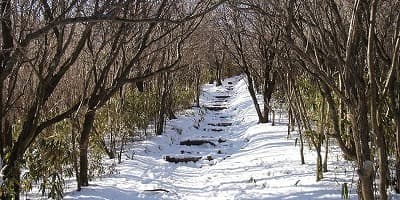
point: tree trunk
(337, 122)
(325, 164)
(261, 118)
(383, 168)
(266, 107)
(268, 89)
(367, 170)
(160, 123)
(301, 146)
(84, 146)
(12, 182)
(319, 139)
(301, 140)
(356, 89)
(245, 68)
(319, 164)
(121, 147)
(75, 128)
(300, 119)
(109, 151)
(361, 138)
(11, 175)
(273, 118)
(211, 81)
(12, 166)
(162, 109)
(375, 112)
(6, 135)
(395, 98)
(394, 94)
(5, 127)
(198, 88)
(169, 106)
(398, 153)
(219, 62)
(218, 75)
(290, 121)
(341, 129)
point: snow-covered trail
(250, 160)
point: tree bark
(211, 80)
(218, 74)
(5, 127)
(325, 164)
(170, 101)
(198, 87)
(268, 78)
(374, 110)
(266, 107)
(356, 89)
(361, 138)
(296, 112)
(398, 153)
(163, 89)
(84, 146)
(301, 143)
(289, 121)
(319, 165)
(348, 150)
(319, 139)
(121, 149)
(241, 59)
(394, 95)
(7, 46)
(250, 87)
(75, 129)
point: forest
(80, 79)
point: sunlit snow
(251, 161)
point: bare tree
(36, 58)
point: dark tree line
(65, 60)
(338, 62)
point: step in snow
(216, 108)
(257, 161)
(222, 97)
(223, 124)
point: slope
(239, 160)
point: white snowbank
(257, 161)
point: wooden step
(225, 117)
(196, 142)
(185, 159)
(222, 97)
(223, 124)
(216, 108)
(182, 159)
(214, 129)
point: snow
(257, 161)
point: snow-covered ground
(249, 160)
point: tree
(235, 29)
(37, 59)
(336, 43)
